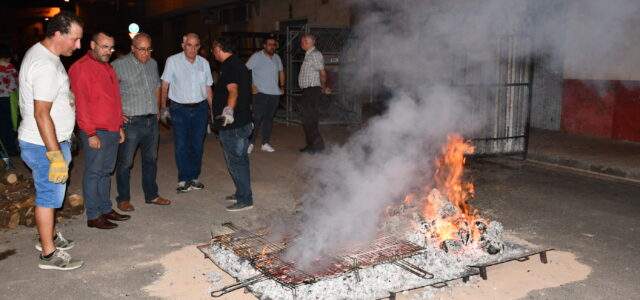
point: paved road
(595, 218)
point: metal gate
(342, 106)
(501, 91)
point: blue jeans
(140, 131)
(189, 131)
(96, 180)
(264, 109)
(48, 194)
(234, 144)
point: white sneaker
(267, 148)
(250, 149)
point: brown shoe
(125, 206)
(159, 201)
(101, 223)
(115, 216)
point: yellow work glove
(58, 171)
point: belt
(190, 105)
(144, 116)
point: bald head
(141, 36)
(141, 47)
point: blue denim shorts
(48, 194)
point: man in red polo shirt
(99, 114)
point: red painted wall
(605, 108)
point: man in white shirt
(186, 82)
(268, 85)
(48, 118)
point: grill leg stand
(483, 272)
(543, 257)
(392, 296)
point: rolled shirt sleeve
(207, 74)
(45, 86)
(318, 60)
(279, 61)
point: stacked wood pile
(17, 201)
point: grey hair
(190, 35)
(139, 36)
(311, 38)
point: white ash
(213, 278)
(491, 240)
(375, 282)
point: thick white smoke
(414, 47)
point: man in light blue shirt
(186, 82)
(268, 85)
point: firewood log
(30, 222)
(27, 216)
(26, 203)
(9, 177)
(9, 219)
(75, 200)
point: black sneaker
(196, 185)
(231, 198)
(239, 207)
(184, 187)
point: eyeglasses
(106, 47)
(144, 49)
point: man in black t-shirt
(232, 111)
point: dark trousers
(7, 135)
(189, 131)
(96, 180)
(140, 131)
(234, 145)
(264, 109)
(310, 113)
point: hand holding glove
(58, 170)
(227, 116)
(165, 116)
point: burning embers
(442, 216)
(426, 240)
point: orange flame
(449, 169)
(264, 251)
(450, 186)
(408, 199)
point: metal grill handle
(420, 272)
(238, 285)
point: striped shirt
(138, 85)
(309, 72)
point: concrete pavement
(594, 218)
